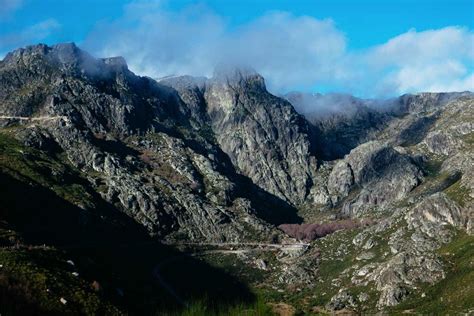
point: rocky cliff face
(380, 174)
(263, 136)
(130, 136)
(417, 170)
(340, 122)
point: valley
(212, 196)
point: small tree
(308, 232)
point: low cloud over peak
(291, 52)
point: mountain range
(123, 194)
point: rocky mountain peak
(66, 53)
(238, 76)
(40, 49)
(426, 101)
(118, 62)
(259, 132)
(65, 58)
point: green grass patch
(432, 166)
(208, 308)
(455, 293)
(33, 166)
(36, 279)
(468, 138)
(332, 264)
(458, 193)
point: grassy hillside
(455, 293)
(49, 215)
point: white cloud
(158, 43)
(425, 77)
(29, 35)
(291, 52)
(465, 83)
(7, 7)
(433, 60)
(415, 47)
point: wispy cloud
(433, 60)
(292, 52)
(29, 35)
(157, 42)
(7, 7)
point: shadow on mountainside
(109, 248)
(268, 206)
(416, 131)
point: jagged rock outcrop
(264, 137)
(341, 301)
(411, 259)
(376, 173)
(418, 172)
(119, 129)
(434, 211)
(340, 122)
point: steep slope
(415, 183)
(131, 139)
(341, 122)
(111, 166)
(262, 134)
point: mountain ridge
(198, 162)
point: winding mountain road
(34, 119)
(290, 246)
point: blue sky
(362, 47)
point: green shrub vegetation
(455, 293)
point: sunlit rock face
(221, 160)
